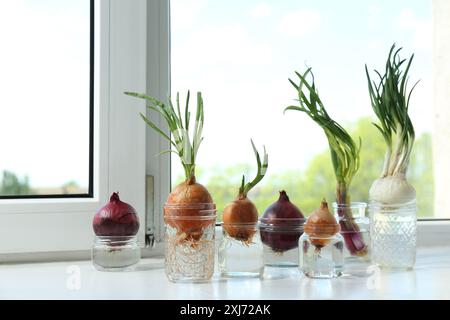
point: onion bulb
(116, 219)
(188, 198)
(278, 231)
(240, 216)
(321, 226)
(392, 190)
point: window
(64, 224)
(47, 98)
(241, 53)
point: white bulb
(392, 190)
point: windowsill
(429, 280)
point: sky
(44, 90)
(240, 54)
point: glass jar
(321, 257)
(240, 251)
(280, 241)
(355, 229)
(115, 253)
(190, 242)
(393, 230)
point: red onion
(116, 219)
(281, 225)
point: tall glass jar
(190, 242)
(393, 230)
(240, 251)
(280, 246)
(355, 229)
(115, 253)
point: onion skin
(283, 209)
(321, 225)
(241, 211)
(116, 219)
(284, 240)
(392, 190)
(189, 193)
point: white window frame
(437, 232)
(62, 228)
(158, 86)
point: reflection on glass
(44, 100)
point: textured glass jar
(241, 252)
(190, 242)
(393, 233)
(280, 241)
(322, 261)
(115, 253)
(355, 229)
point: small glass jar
(280, 241)
(321, 257)
(240, 251)
(190, 242)
(355, 229)
(115, 253)
(393, 233)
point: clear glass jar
(190, 242)
(115, 253)
(240, 251)
(355, 229)
(393, 230)
(321, 257)
(280, 241)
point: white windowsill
(429, 280)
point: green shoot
(343, 149)
(390, 102)
(262, 169)
(185, 143)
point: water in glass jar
(393, 234)
(240, 259)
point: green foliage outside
(13, 185)
(307, 188)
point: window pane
(45, 97)
(240, 54)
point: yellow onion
(321, 226)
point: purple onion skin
(116, 219)
(352, 236)
(281, 241)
